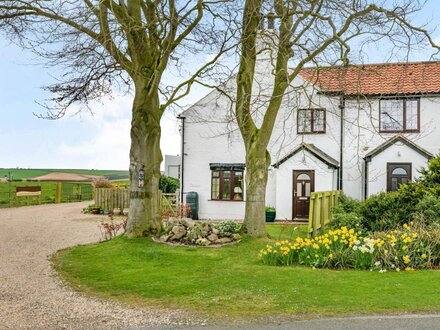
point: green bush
(168, 185)
(346, 213)
(428, 210)
(418, 200)
(229, 227)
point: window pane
(215, 174)
(299, 192)
(304, 121)
(318, 121)
(226, 174)
(215, 189)
(412, 114)
(303, 177)
(226, 185)
(393, 184)
(238, 186)
(391, 114)
(308, 189)
(399, 171)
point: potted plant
(270, 214)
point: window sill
(224, 200)
(399, 132)
(309, 133)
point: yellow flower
(316, 246)
(424, 256)
(330, 256)
(405, 247)
(406, 260)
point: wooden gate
(320, 214)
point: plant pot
(96, 210)
(270, 216)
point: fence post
(58, 192)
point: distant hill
(30, 173)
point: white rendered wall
(325, 179)
(362, 135)
(397, 153)
(211, 136)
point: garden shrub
(168, 185)
(102, 183)
(229, 227)
(418, 200)
(412, 246)
(428, 210)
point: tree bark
(257, 164)
(144, 215)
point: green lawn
(232, 281)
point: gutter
(182, 161)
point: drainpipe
(182, 161)
(366, 161)
(341, 143)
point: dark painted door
(303, 186)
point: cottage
(362, 129)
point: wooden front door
(303, 186)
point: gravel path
(31, 296)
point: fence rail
(320, 212)
(22, 193)
(115, 198)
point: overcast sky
(99, 141)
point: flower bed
(408, 248)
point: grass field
(70, 192)
(30, 173)
(231, 283)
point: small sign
(141, 177)
(28, 191)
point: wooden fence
(320, 213)
(23, 193)
(111, 198)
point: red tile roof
(377, 79)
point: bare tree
(309, 32)
(109, 44)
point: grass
(232, 281)
(29, 173)
(69, 192)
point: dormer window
(311, 121)
(399, 115)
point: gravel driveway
(31, 296)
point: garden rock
(203, 242)
(165, 238)
(213, 237)
(236, 237)
(223, 240)
(179, 232)
(215, 231)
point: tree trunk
(145, 155)
(257, 164)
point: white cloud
(109, 143)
